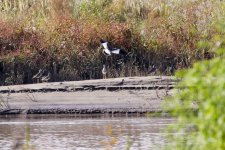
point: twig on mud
(167, 89)
(157, 93)
(165, 92)
(136, 94)
(4, 102)
(31, 97)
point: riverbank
(116, 95)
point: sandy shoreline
(133, 95)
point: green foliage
(200, 103)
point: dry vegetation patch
(63, 36)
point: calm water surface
(57, 132)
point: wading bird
(108, 50)
(104, 72)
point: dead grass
(62, 36)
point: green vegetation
(199, 106)
(62, 36)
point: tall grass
(62, 36)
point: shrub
(200, 104)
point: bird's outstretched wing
(116, 51)
(119, 51)
(123, 52)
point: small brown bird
(104, 72)
(120, 83)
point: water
(57, 132)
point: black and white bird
(108, 50)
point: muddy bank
(118, 95)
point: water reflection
(64, 132)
